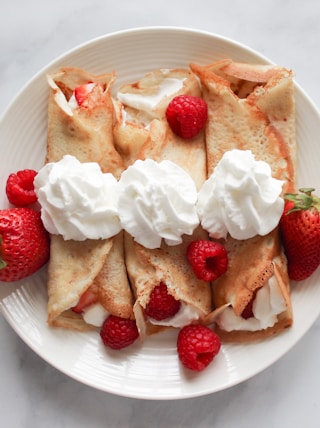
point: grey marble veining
(34, 394)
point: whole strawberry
(24, 243)
(300, 230)
(187, 115)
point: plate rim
(142, 29)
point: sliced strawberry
(88, 298)
(82, 93)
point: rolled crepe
(251, 107)
(142, 132)
(98, 265)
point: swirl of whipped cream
(157, 201)
(240, 197)
(77, 200)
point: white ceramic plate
(151, 370)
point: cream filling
(95, 314)
(59, 97)
(268, 304)
(147, 103)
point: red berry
(248, 311)
(300, 231)
(19, 188)
(161, 304)
(118, 333)
(87, 94)
(187, 115)
(197, 346)
(208, 259)
(88, 298)
(24, 243)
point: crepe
(251, 107)
(142, 132)
(98, 265)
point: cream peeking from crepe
(251, 107)
(143, 133)
(94, 265)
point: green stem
(303, 200)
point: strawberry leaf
(303, 201)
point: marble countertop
(34, 394)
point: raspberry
(208, 259)
(19, 188)
(197, 346)
(117, 333)
(187, 115)
(161, 304)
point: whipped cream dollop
(185, 316)
(267, 305)
(240, 197)
(77, 200)
(157, 200)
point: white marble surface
(32, 393)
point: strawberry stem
(303, 200)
